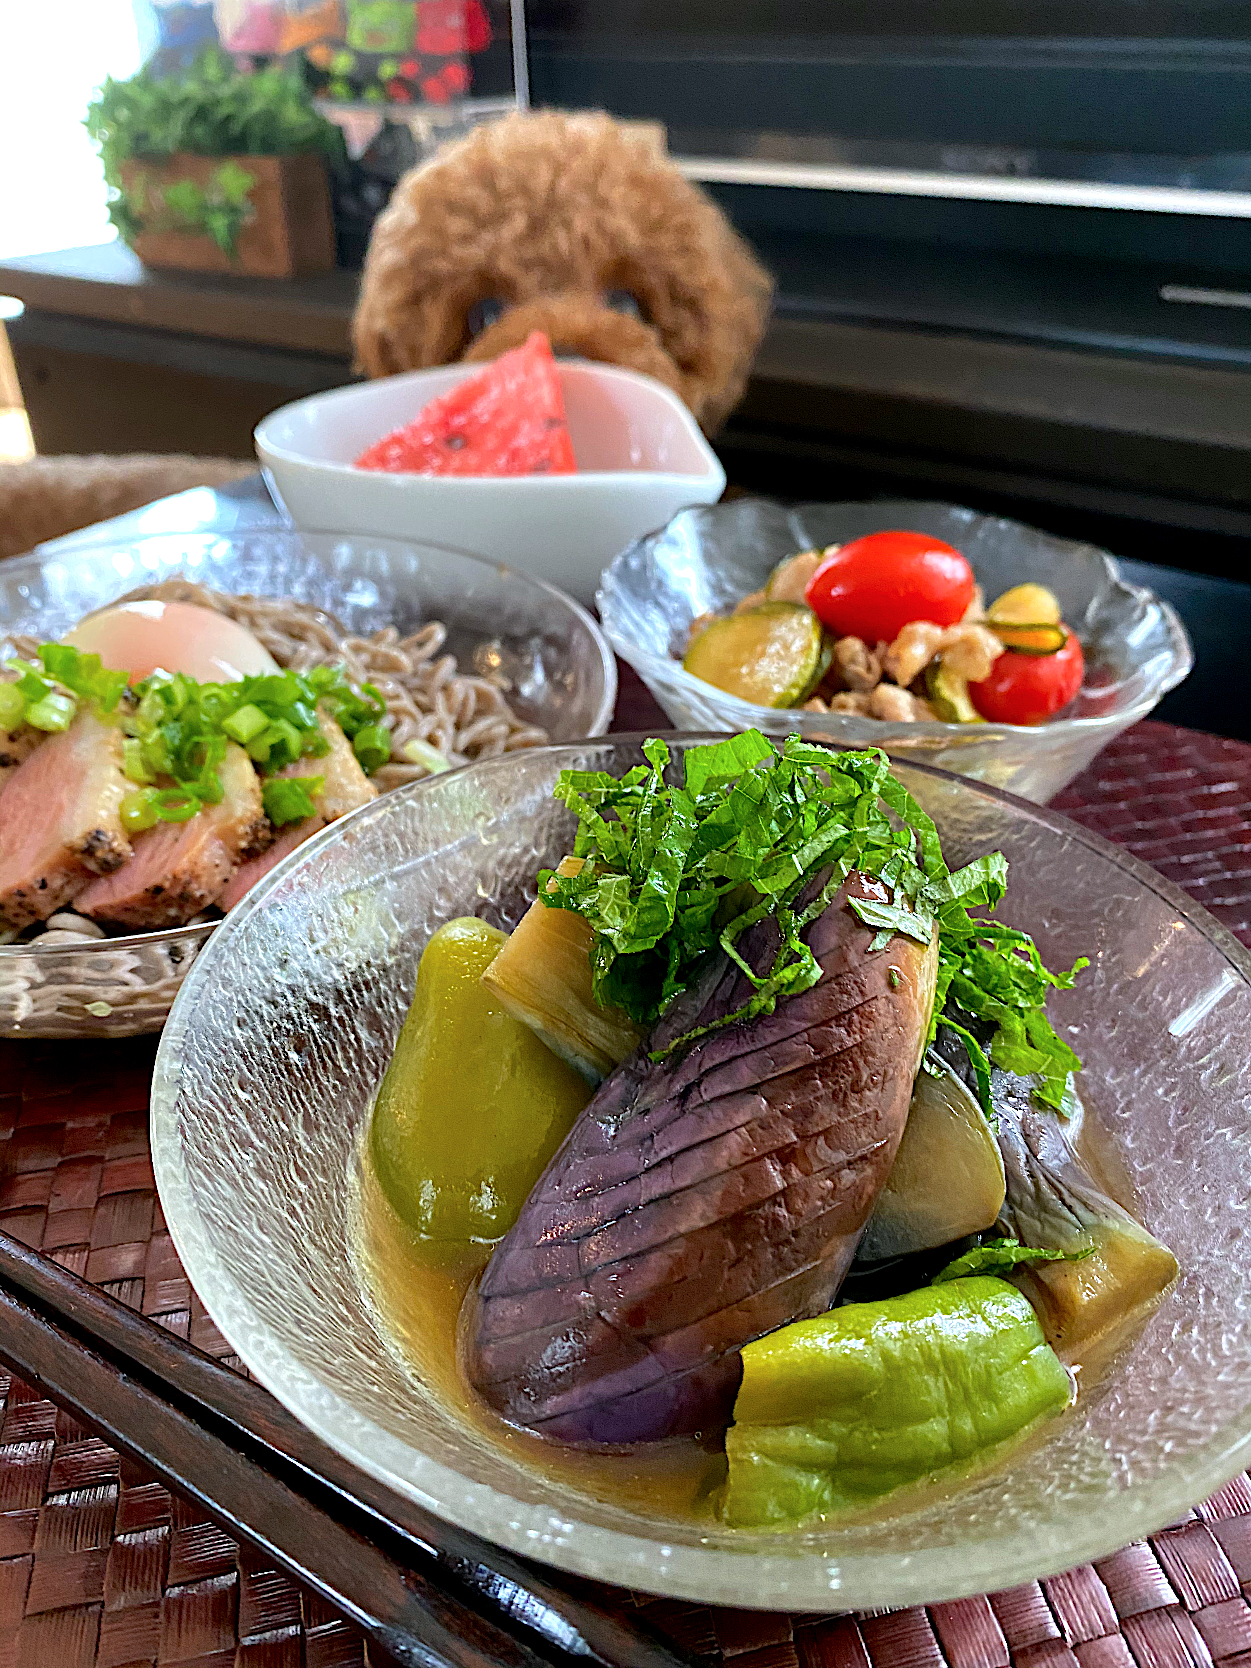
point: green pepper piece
(473, 1105)
(835, 1411)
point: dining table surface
(103, 1563)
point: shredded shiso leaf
(177, 730)
(671, 873)
(1001, 1256)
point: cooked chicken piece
(969, 651)
(856, 703)
(753, 599)
(346, 787)
(912, 651)
(815, 704)
(977, 607)
(890, 702)
(858, 666)
(789, 580)
(178, 868)
(60, 820)
(246, 875)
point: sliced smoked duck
(179, 868)
(60, 820)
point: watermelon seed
(454, 442)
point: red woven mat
(100, 1564)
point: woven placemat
(99, 1564)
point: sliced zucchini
(773, 655)
(949, 695)
(1025, 605)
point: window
(51, 187)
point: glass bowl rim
(648, 665)
(800, 1580)
(198, 931)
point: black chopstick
(422, 1590)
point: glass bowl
(562, 673)
(706, 559)
(285, 1024)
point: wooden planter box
(290, 231)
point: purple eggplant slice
(707, 1198)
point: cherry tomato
(1028, 688)
(874, 586)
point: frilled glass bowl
(284, 1027)
(561, 673)
(706, 559)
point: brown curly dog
(570, 224)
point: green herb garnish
(1001, 1256)
(176, 730)
(290, 798)
(671, 873)
(46, 694)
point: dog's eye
(483, 314)
(623, 301)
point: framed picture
(376, 54)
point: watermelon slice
(507, 420)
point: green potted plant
(218, 170)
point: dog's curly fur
(548, 212)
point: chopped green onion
(420, 752)
(53, 712)
(176, 804)
(33, 686)
(372, 746)
(290, 798)
(156, 755)
(138, 811)
(12, 706)
(151, 708)
(245, 724)
(83, 674)
(133, 763)
(284, 741)
(179, 729)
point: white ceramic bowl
(641, 458)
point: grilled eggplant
(707, 1197)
